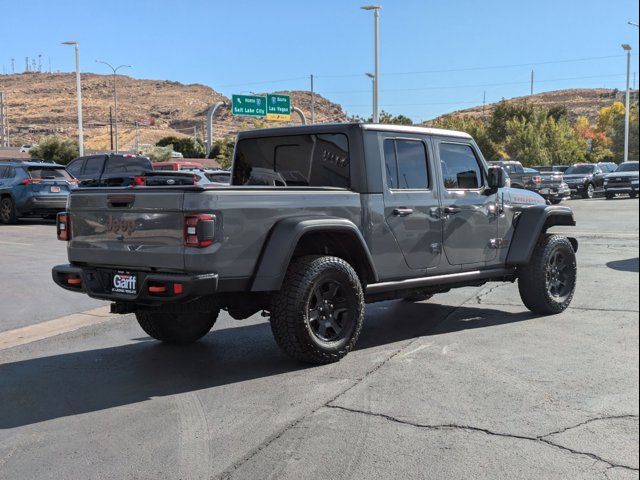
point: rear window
(121, 164)
(49, 172)
(293, 160)
(218, 177)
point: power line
(501, 84)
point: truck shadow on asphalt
(51, 387)
(628, 265)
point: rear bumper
(43, 205)
(555, 193)
(96, 282)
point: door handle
(453, 210)
(402, 212)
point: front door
(411, 205)
(469, 214)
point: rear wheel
(176, 328)
(8, 213)
(317, 315)
(547, 284)
(609, 196)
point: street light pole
(79, 96)
(115, 98)
(373, 90)
(627, 48)
(376, 47)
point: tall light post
(376, 72)
(79, 96)
(115, 98)
(627, 49)
(373, 89)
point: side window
(75, 167)
(460, 167)
(3, 171)
(10, 173)
(519, 168)
(93, 167)
(406, 164)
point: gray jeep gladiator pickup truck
(318, 220)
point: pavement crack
(586, 422)
(488, 292)
(469, 428)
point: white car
(176, 155)
(26, 147)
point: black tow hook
(122, 308)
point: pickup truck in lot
(317, 221)
(549, 185)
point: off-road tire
(556, 201)
(609, 196)
(292, 319)
(534, 278)
(8, 214)
(176, 327)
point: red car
(177, 166)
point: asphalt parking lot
(467, 385)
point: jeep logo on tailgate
(120, 225)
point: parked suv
(33, 189)
(624, 180)
(585, 179)
(109, 169)
(360, 213)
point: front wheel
(556, 201)
(633, 194)
(589, 191)
(547, 284)
(177, 328)
(317, 315)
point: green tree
(384, 117)
(55, 149)
(187, 146)
(525, 140)
(503, 114)
(222, 152)
(159, 154)
(618, 135)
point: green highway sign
(278, 107)
(249, 105)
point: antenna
(40, 62)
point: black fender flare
(283, 239)
(532, 222)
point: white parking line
(16, 243)
(51, 328)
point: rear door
(92, 168)
(411, 203)
(469, 215)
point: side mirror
(497, 178)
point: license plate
(124, 282)
(55, 189)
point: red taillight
(63, 226)
(199, 230)
(537, 179)
(73, 180)
(30, 181)
(139, 181)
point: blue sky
(250, 45)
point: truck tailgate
(126, 229)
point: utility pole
(195, 136)
(484, 101)
(26, 61)
(13, 65)
(627, 48)
(376, 48)
(532, 77)
(313, 103)
(137, 138)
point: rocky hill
(42, 103)
(578, 102)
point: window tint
(48, 172)
(3, 171)
(293, 160)
(122, 164)
(10, 173)
(580, 169)
(628, 167)
(407, 162)
(75, 167)
(518, 168)
(460, 168)
(93, 167)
